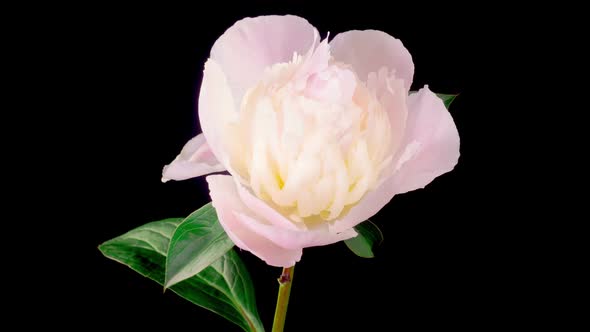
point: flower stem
(285, 281)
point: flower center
(313, 145)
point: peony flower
(317, 136)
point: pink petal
(290, 239)
(216, 109)
(194, 160)
(280, 230)
(430, 149)
(432, 142)
(252, 44)
(316, 60)
(334, 85)
(392, 95)
(230, 211)
(263, 210)
(370, 204)
(369, 50)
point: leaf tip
(169, 282)
(101, 248)
(447, 98)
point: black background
(134, 75)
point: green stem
(285, 282)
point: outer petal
(194, 160)
(289, 239)
(231, 210)
(430, 149)
(263, 210)
(432, 143)
(252, 44)
(392, 95)
(366, 208)
(216, 109)
(369, 50)
(281, 231)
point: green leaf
(447, 98)
(224, 287)
(369, 236)
(197, 242)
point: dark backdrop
(136, 75)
